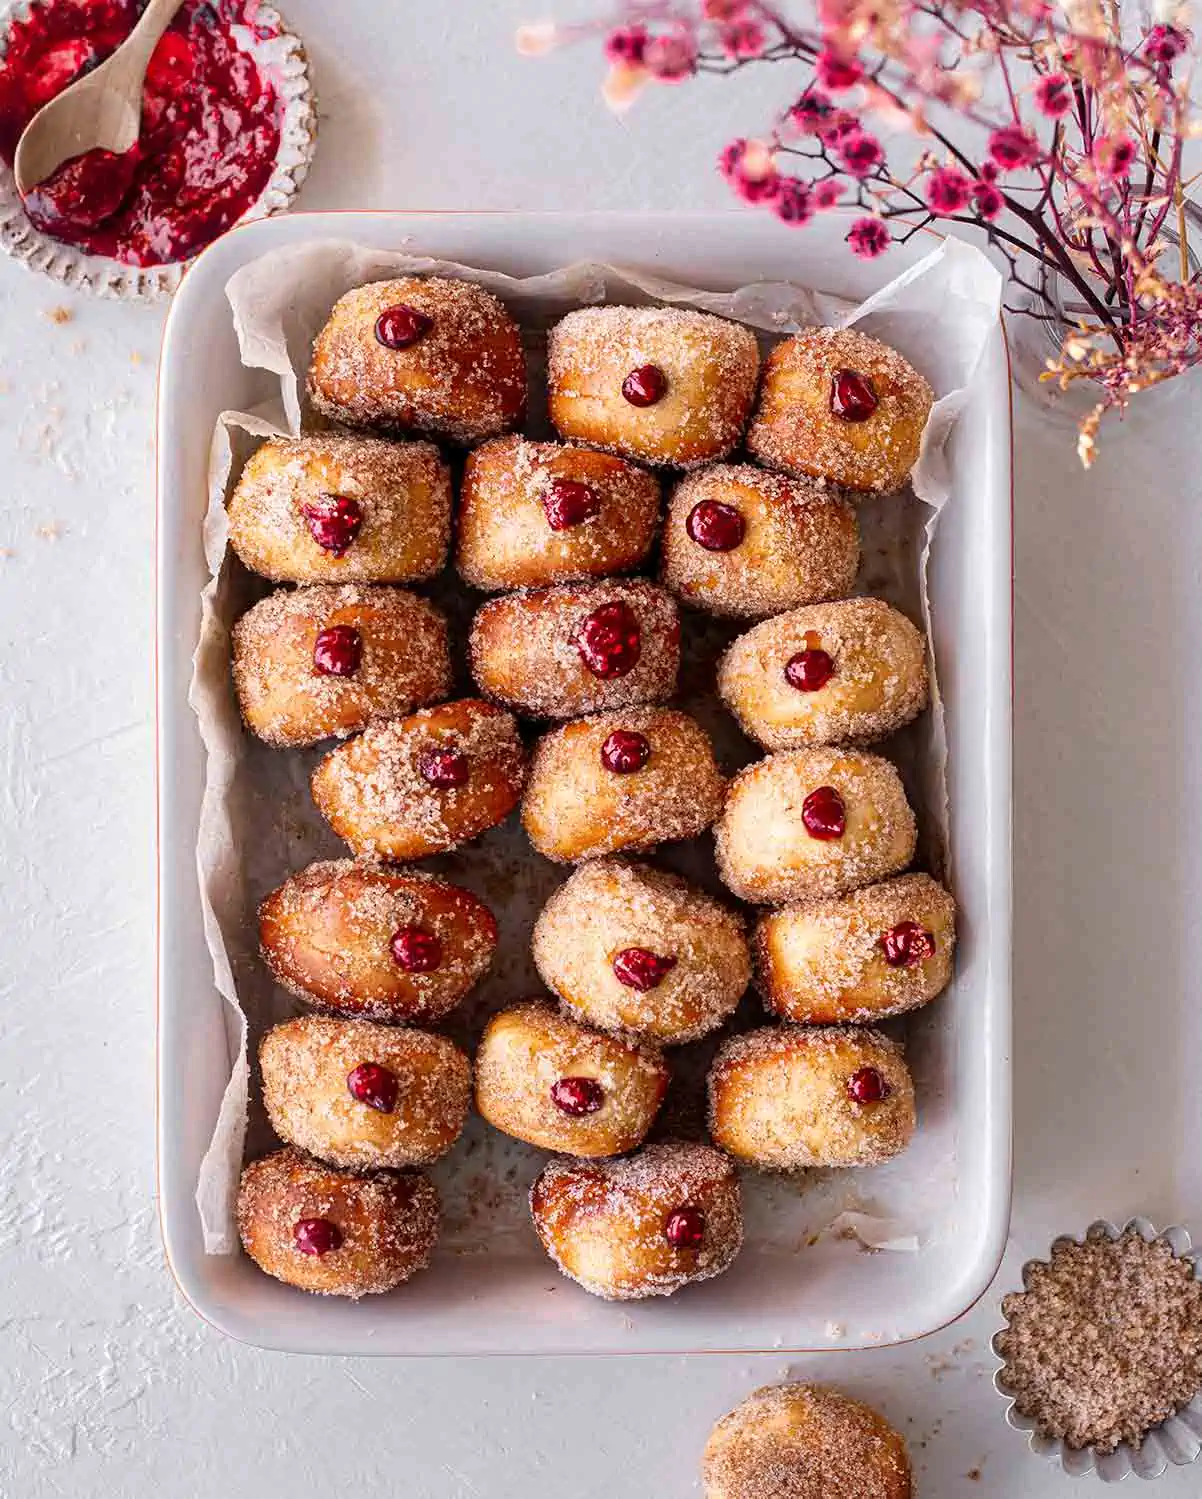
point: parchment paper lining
(258, 825)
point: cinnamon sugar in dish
(1105, 1342)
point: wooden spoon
(103, 109)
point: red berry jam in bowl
(210, 136)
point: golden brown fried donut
(419, 785)
(340, 508)
(385, 944)
(322, 662)
(423, 354)
(361, 1095)
(557, 1084)
(335, 1232)
(788, 1097)
(535, 513)
(624, 780)
(878, 951)
(642, 1225)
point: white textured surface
(108, 1386)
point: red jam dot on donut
(852, 396)
(316, 1236)
(624, 752)
(415, 951)
(373, 1085)
(685, 1228)
(402, 326)
(337, 651)
(809, 670)
(577, 1096)
(645, 386)
(609, 641)
(445, 769)
(639, 968)
(824, 814)
(714, 526)
(907, 944)
(568, 503)
(867, 1086)
(333, 522)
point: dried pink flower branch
(1080, 187)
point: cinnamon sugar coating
(605, 1223)
(375, 791)
(767, 854)
(402, 491)
(326, 935)
(799, 1441)
(525, 653)
(795, 429)
(800, 543)
(878, 680)
(609, 906)
(779, 1098)
(709, 368)
(386, 1221)
(404, 661)
(307, 1064)
(528, 1050)
(506, 536)
(574, 807)
(464, 379)
(824, 961)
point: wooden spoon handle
(144, 38)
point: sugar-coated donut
(339, 508)
(642, 1225)
(361, 1095)
(321, 662)
(807, 823)
(878, 951)
(841, 406)
(423, 784)
(787, 1097)
(546, 1079)
(840, 673)
(624, 780)
(338, 1233)
(421, 354)
(578, 648)
(798, 1441)
(534, 513)
(634, 949)
(665, 384)
(742, 542)
(385, 944)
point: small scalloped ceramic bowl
(279, 57)
(1176, 1441)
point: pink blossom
(987, 171)
(1054, 95)
(837, 73)
(626, 45)
(827, 193)
(723, 10)
(838, 126)
(987, 200)
(794, 203)
(1165, 44)
(860, 153)
(868, 238)
(810, 111)
(671, 57)
(948, 191)
(743, 38)
(1012, 147)
(749, 169)
(1112, 156)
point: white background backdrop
(108, 1384)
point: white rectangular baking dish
(824, 1296)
